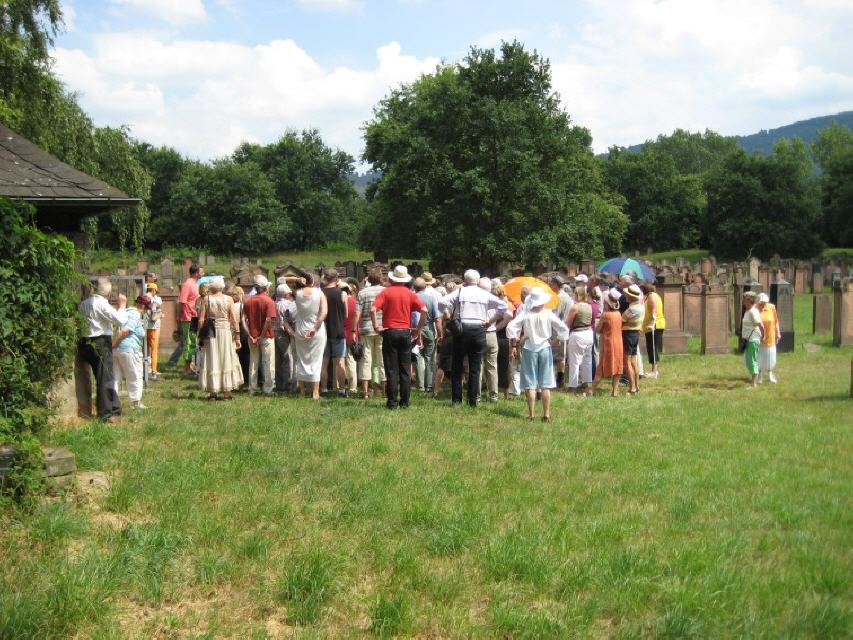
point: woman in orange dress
(611, 362)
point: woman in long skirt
(611, 362)
(309, 340)
(220, 370)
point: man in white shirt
(96, 345)
(471, 305)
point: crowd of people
(390, 332)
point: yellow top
(769, 320)
(659, 322)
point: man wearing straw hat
(397, 303)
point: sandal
(546, 418)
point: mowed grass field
(697, 509)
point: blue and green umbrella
(625, 266)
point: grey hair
(471, 276)
(105, 287)
(217, 284)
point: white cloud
(643, 67)
(205, 97)
(342, 6)
(174, 12)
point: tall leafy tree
(762, 206)
(694, 153)
(166, 166)
(480, 165)
(833, 151)
(665, 206)
(312, 181)
(229, 207)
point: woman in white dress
(220, 372)
(309, 340)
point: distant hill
(361, 180)
(763, 141)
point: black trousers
(654, 344)
(472, 343)
(504, 352)
(397, 358)
(98, 353)
(282, 361)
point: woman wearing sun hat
(632, 325)
(771, 337)
(152, 328)
(611, 364)
(539, 326)
(752, 331)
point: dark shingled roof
(30, 173)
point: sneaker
(342, 393)
(773, 379)
(139, 405)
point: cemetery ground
(697, 509)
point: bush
(38, 330)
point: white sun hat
(400, 274)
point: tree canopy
(833, 152)
(480, 165)
(762, 206)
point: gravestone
(753, 265)
(764, 277)
(817, 282)
(202, 260)
(588, 267)
(801, 276)
(821, 313)
(671, 292)
(775, 261)
(705, 266)
(715, 320)
(782, 295)
(680, 262)
(693, 300)
(211, 260)
(835, 277)
(842, 326)
(142, 266)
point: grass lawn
(697, 509)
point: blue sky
(202, 75)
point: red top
(189, 294)
(349, 320)
(397, 304)
(256, 310)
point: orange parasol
(513, 290)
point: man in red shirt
(186, 314)
(259, 316)
(397, 304)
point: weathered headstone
(842, 326)
(692, 308)
(821, 313)
(801, 275)
(782, 295)
(186, 263)
(817, 282)
(142, 266)
(705, 266)
(753, 265)
(588, 267)
(715, 320)
(671, 292)
(764, 277)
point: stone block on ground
(59, 461)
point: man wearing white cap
(471, 305)
(259, 317)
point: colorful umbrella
(513, 290)
(625, 266)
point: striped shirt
(365, 302)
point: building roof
(32, 174)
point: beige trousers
(262, 355)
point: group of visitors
(391, 331)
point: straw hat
(633, 292)
(400, 274)
(428, 279)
